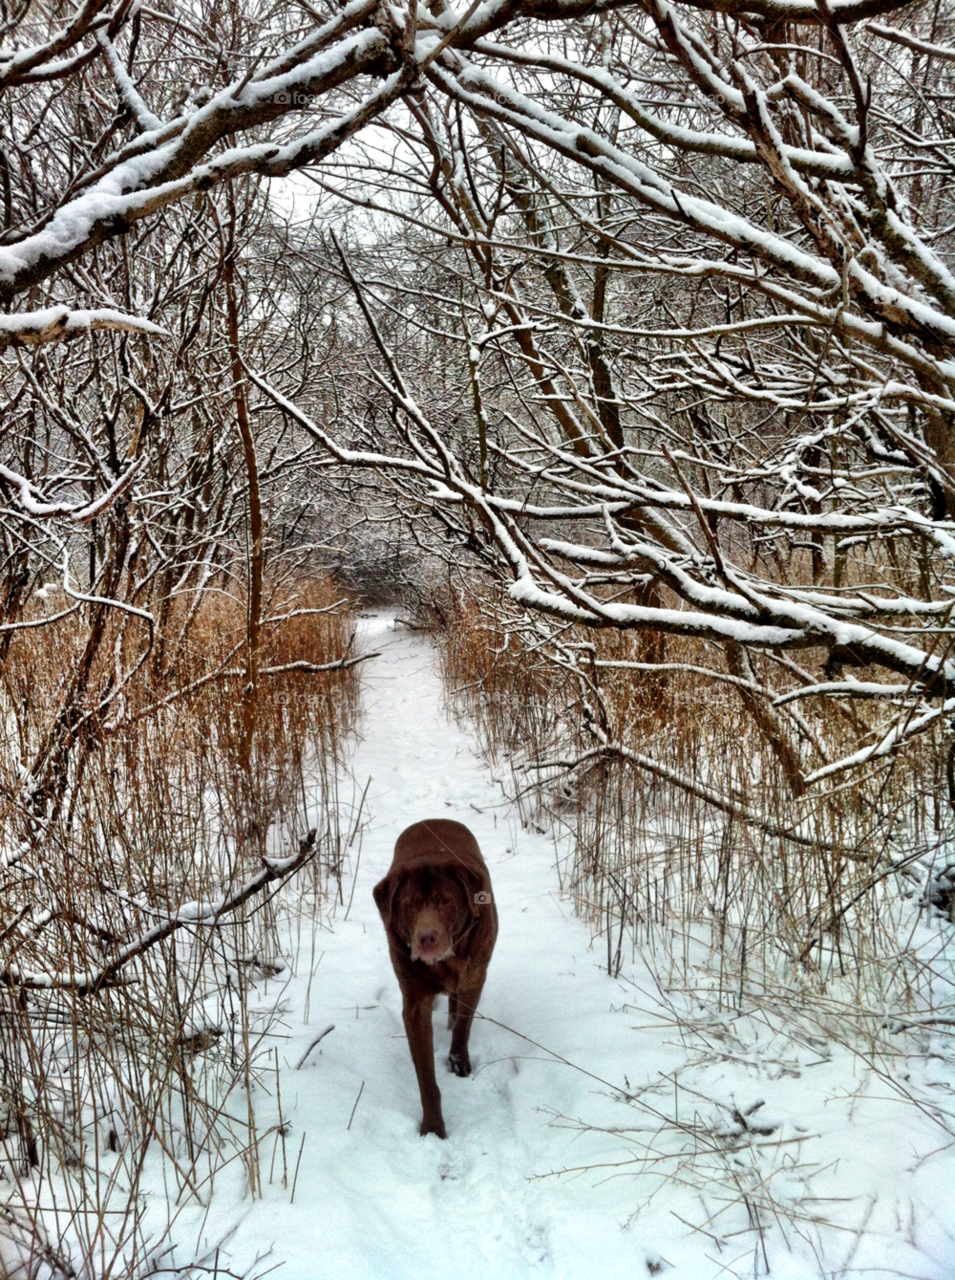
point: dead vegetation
(138, 928)
(799, 876)
(794, 922)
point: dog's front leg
(417, 1017)
(467, 1001)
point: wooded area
(614, 338)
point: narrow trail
(374, 1201)
(377, 1200)
(406, 1205)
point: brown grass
(648, 859)
(158, 813)
(740, 933)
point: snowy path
(376, 1201)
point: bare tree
(691, 270)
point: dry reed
(159, 817)
(745, 935)
(652, 863)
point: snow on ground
(577, 1072)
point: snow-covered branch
(191, 915)
(55, 324)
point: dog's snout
(427, 940)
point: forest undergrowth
(141, 918)
(761, 951)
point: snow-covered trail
(384, 1201)
(376, 1201)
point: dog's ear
(473, 885)
(384, 894)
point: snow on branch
(76, 512)
(190, 915)
(905, 728)
(38, 61)
(55, 324)
(909, 41)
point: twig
(297, 1163)
(354, 882)
(318, 1039)
(921, 1022)
(355, 1107)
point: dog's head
(430, 909)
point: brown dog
(438, 911)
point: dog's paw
(460, 1064)
(434, 1126)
